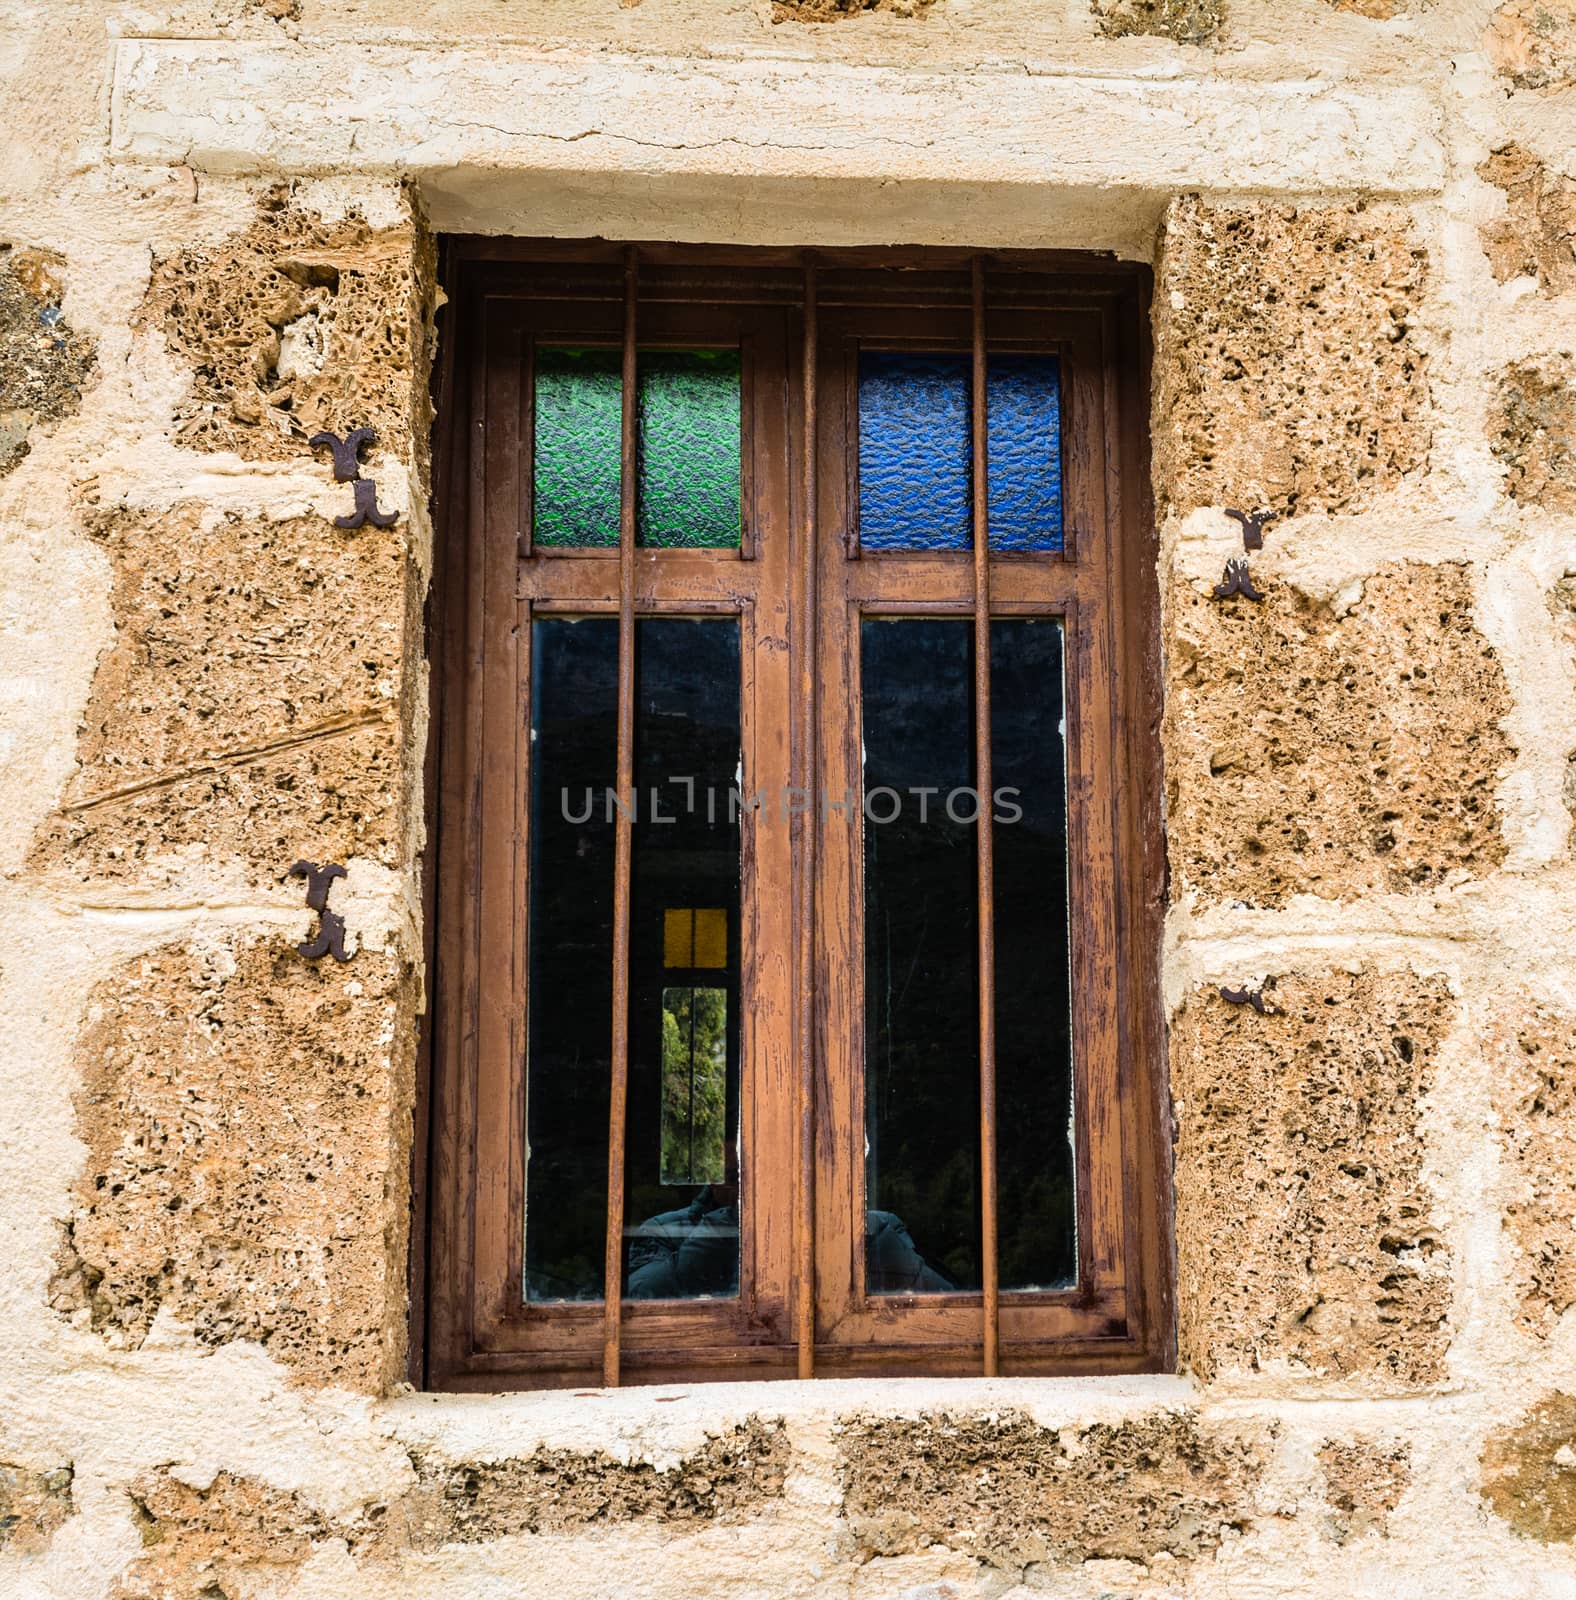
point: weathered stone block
(293, 326)
(197, 1543)
(1304, 1230)
(246, 1116)
(1314, 753)
(1531, 1051)
(1288, 376)
(32, 1506)
(1536, 238)
(1532, 431)
(44, 365)
(1186, 21)
(254, 703)
(1529, 1471)
(1533, 43)
(1010, 1493)
(733, 1476)
(1364, 1480)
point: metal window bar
(985, 788)
(807, 825)
(618, 1103)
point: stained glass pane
(913, 451)
(689, 449)
(1024, 430)
(579, 425)
(688, 453)
(916, 454)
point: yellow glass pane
(711, 938)
(678, 937)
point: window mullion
(618, 1104)
(990, 1276)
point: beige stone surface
(1014, 1494)
(1306, 1234)
(1362, 321)
(1364, 1480)
(1290, 379)
(1533, 431)
(253, 706)
(1334, 754)
(246, 1116)
(1536, 237)
(1532, 1062)
(1529, 1471)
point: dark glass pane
(579, 428)
(921, 1045)
(1036, 1210)
(689, 448)
(913, 451)
(574, 706)
(916, 452)
(921, 955)
(681, 1220)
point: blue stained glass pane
(915, 455)
(913, 451)
(1024, 450)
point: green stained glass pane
(578, 427)
(689, 449)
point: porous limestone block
(1311, 750)
(297, 325)
(1536, 237)
(1364, 1480)
(1288, 378)
(246, 1116)
(1530, 1049)
(1532, 431)
(1012, 1493)
(1185, 21)
(1529, 1471)
(32, 1506)
(1305, 1232)
(256, 704)
(44, 364)
(1533, 43)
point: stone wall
(216, 222)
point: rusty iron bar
(807, 823)
(985, 789)
(618, 1103)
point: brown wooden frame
(799, 320)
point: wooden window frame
(470, 1328)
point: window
(756, 770)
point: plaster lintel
(759, 149)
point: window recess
(797, 863)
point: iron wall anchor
(346, 451)
(366, 493)
(1252, 526)
(1248, 997)
(347, 469)
(330, 940)
(1238, 580)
